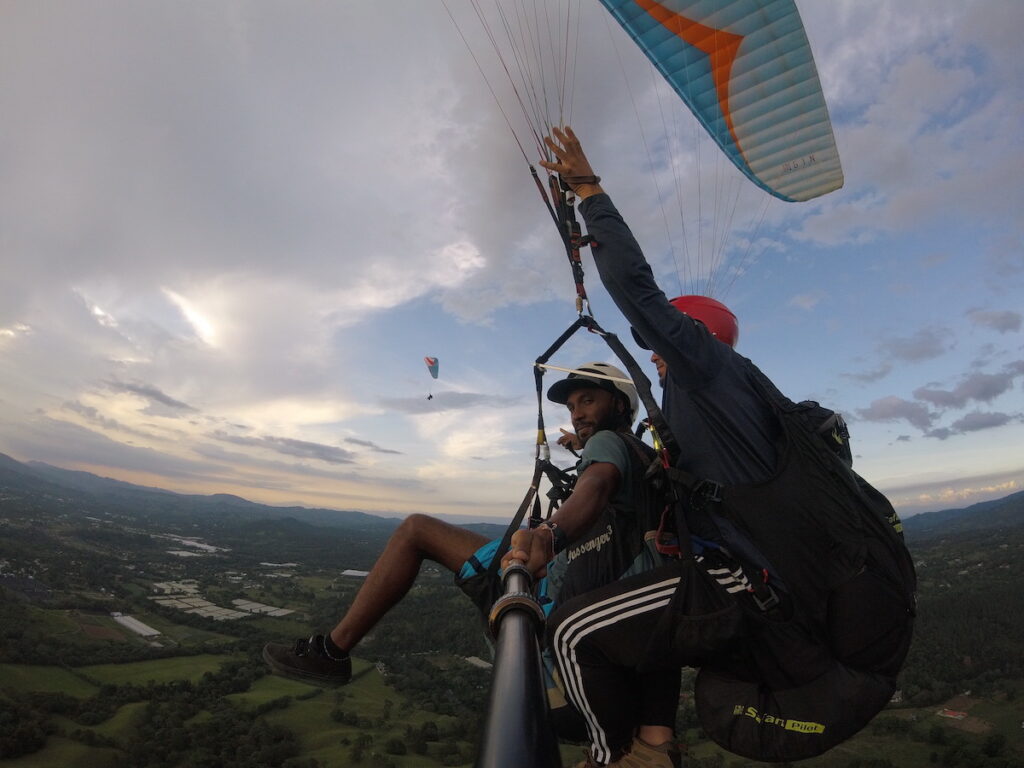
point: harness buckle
(769, 603)
(709, 489)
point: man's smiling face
(592, 409)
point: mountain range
(97, 493)
(91, 493)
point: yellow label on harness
(800, 726)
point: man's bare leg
(417, 539)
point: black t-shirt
(610, 548)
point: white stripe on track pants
(599, 640)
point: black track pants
(600, 640)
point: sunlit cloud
(202, 326)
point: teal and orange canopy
(433, 364)
(745, 69)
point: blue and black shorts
(483, 587)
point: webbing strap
(517, 519)
(643, 390)
(569, 229)
(563, 212)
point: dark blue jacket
(726, 432)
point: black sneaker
(307, 660)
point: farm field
(158, 671)
(180, 633)
(23, 678)
(98, 626)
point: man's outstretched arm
(624, 270)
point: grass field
(322, 738)
(281, 626)
(1005, 716)
(66, 753)
(318, 584)
(267, 689)
(53, 623)
(122, 723)
(22, 678)
(159, 670)
(117, 727)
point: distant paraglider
(433, 364)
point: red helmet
(717, 317)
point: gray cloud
(93, 415)
(974, 422)
(64, 444)
(291, 447)
(926, 344)
(149, 392)
(984, 355)
(1003, 321)
(867, 377)
(371, 445)
(983, 387)
(447, 401)
(260, 466)
(978, 420)
(894, 408)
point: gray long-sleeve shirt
(726, 432)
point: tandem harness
(677, 487)
(798, 594)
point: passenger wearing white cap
(595, 537)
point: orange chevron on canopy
(719, 45)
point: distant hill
(1007, 512)
(92, 493)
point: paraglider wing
(432, 365)
(745, 69)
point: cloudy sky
(230, 231)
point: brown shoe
(643, 755)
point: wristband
(575, 181)
(558, 537)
